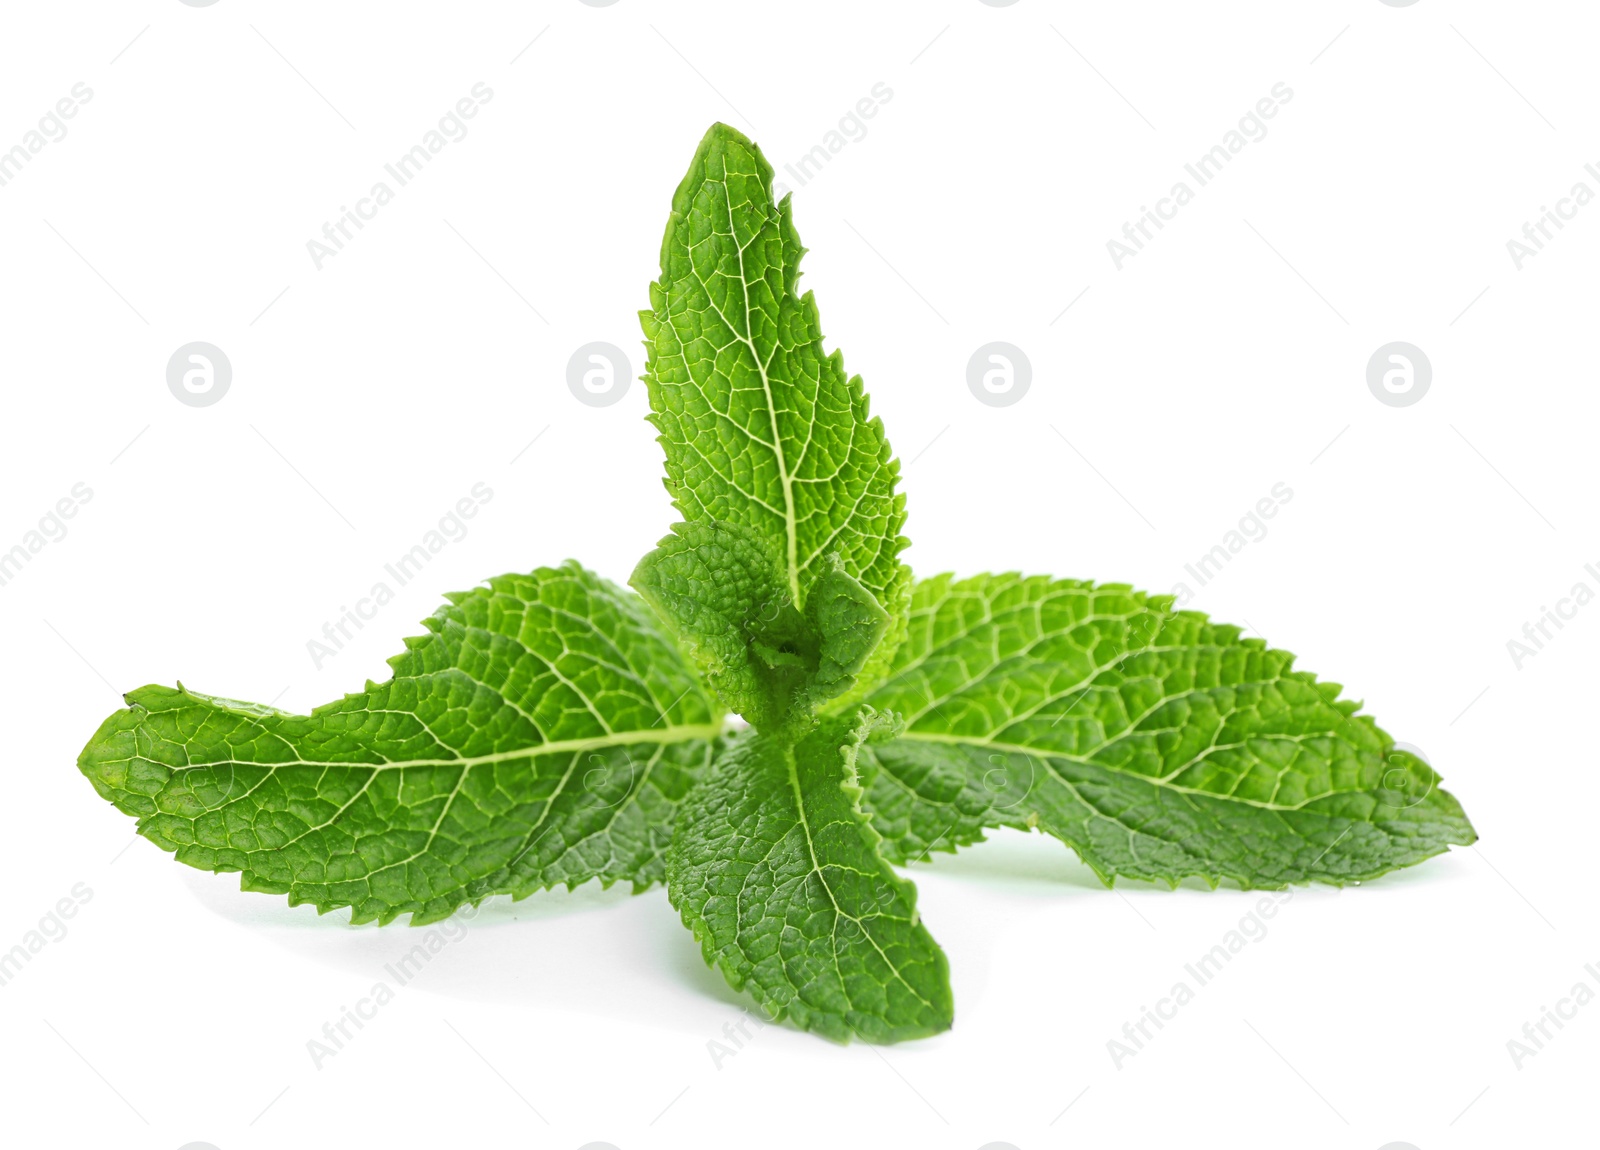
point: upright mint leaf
(1156, 744)
(544, 731)
(761, 428)
(777, 872)
(722, 590)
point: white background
(1228, 356)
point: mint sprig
(553, 728)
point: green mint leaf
(544, 731)
(722, 590)
(761, 427)
(849, 626)
(777, 872)
(1156, 744)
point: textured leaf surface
(544, 731)
(762, 428)
(777, 872)
(720, 588)
(1156, 744)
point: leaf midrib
(789, 524)
(792, 768)
(682, 734)
(1155, 781)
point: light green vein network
(1157, 744)
(761, 427)
(543, 732)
